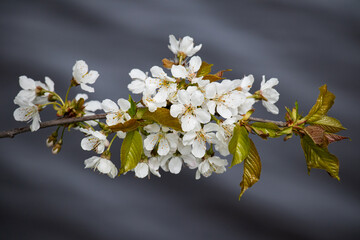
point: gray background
(303, 43)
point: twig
(62, 121)
(279, 123)
(51, 123)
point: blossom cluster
(206, 109)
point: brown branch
(279, 123)
(63, 121)
(51, 123)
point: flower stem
(67, 93)
(56, 95)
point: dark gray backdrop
(303, 43)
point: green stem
(50, 103)
(215, 119)
(67, 93)
(56, 95)
(111, 142)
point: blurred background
(303, 43)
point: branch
(63, 121)
(51, 123)
(279, 123)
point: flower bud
(57, 147)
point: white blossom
(198, 138)
(95, 141)
(83, 76)
(166, 85)
(140, 82)
(224, 135)
(270, 95)
(210, 165)
(189, 72)
(115, 114)
(103, 165)
(28, 92)
(160, 137)
(223, 98)
(183, 46)
(144, 169)
(151, 104)
(28, 112)
(187, 109)
(90, 107)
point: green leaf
(323, 103)
(163, 117)
(318, 157)
(266, 129)
(252, 169)
(329, 124)
(205, 69)
(131, 151)
(239, 145)
(127, 126)
(132, 109)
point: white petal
(164, 147)
(202, 115)
(186, 43)
(121, 134)
(188, 122)
(109, 106)
(270, 107)
(224, 111)
(175, 165)
(141, 170)
(137, 74)
(93, 106)
(211, 127)
(86, 87)
(112, 119)
(91, 162)
(269, 84)
(247, 82)
(271, 95)
(152, 128)
(137, 86)
(81, 95)
(189, 138)
(190, 161)
(176, 109)
(211, 106)
(198, 148)
(157, 72)
(26, 83)
(35, 123)
(197, 98)
(195, 63)
(89, 143)
(124, 104)
(210, 90)
(194, 50)
(91, 77)
(179, 71)
(104, 166)
(49, 83)
(184, 97)
(161, 95)
(150, 141)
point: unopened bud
(50, 141)
(52, 98)
(57, 147)
(106, 154)
(39, 91)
